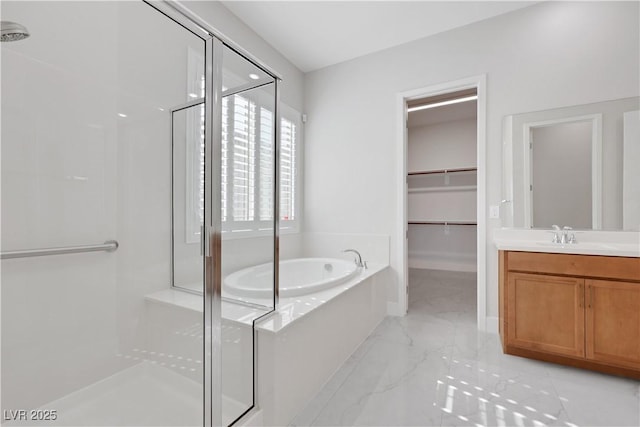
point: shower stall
(118, 185)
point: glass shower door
(248, 232)
(244, 229)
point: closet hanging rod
(108, 246)
(430, 172)
(443, 223)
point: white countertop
(608, 243)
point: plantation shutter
(243, 159)
(287, 170)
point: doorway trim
(479, 83)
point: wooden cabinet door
(613, 322)
(546, 313)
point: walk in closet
(442, 182)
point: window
(247, 164)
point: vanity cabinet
(580, 310)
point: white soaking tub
(299, 276)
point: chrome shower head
(11, 32)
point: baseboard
(492, 325)
(393, 309)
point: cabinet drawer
(606, 267)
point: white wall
(549, 55)
(631, 175)
(443, 247)
(440, 146)
(445, 145)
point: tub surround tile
(294, 308)
(299, 361)
(434, 368)
(290, 310)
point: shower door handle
(205, 247)
(202, 240)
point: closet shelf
(443, 188)
(443, 223)
(441, 171)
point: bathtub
(298, 276)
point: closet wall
(442, 187)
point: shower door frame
(212, 230)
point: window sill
(247, 234)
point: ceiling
(316, 34)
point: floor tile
(434, 368)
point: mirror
(563, 181)
(573, 166)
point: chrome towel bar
(108, 246)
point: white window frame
(293, 226)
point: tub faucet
(358, 259)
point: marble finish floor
(433, 368)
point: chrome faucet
(358, 259)
(562, 236)
(566, 237)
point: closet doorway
(443, 193)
